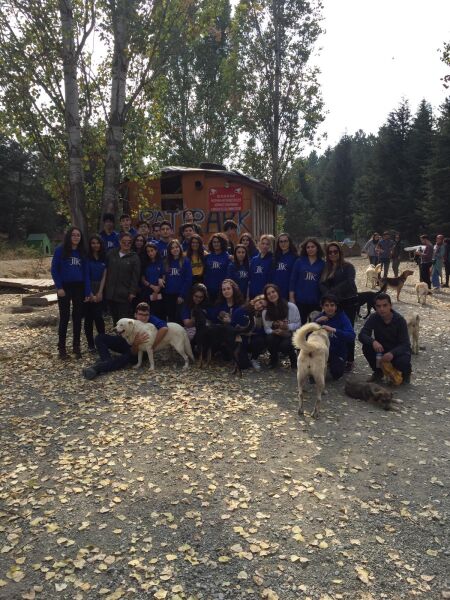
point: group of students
(228, 284)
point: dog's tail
(187, 346)
(299, 339)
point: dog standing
(396, 283)
(373, 274)
(422, 292)
(176, 337)
(367, 298)
(314, 345)
(413, 322)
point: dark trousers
(447, 272)
(350, 308)
(305, 309)
(93, 313)
(119, 310)
(373, 260)
(425, 273)
(105, 343)
(257, 345)
(401, 363)
(171, 308)
(395, 266)
(385, 262)
(278, 344)
(75, 295)
(336, 364)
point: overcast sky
(375, 52)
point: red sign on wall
(225, 199)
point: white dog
(422, 292)
(312, 360)
(176, 337)
(373, 274)
(413, 329)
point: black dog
(367, 298)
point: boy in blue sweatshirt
(109, 237)
(340, 332)
(260, 267)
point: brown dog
(395, 282)
(369, 392)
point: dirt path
(204, 486)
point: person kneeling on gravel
(125, 354)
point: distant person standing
(304, 287)
(123, 270)
(384, 249)
(230, 231)
(370, 248)
(426, 259)
(447, 261)
(438, 262)
(396, 253)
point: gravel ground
(206, 486)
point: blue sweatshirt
(178, 279)
(260, 268)
(305, 280)
(110, 240)
(73, 269)
(96, 268)
(239, 274)
(158, 323)
(344, 333)
(281, 274)
(216, 267)
(213, 312)
(154, 271)
(162, 247)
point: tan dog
(413, 329)
(314, 346)
(396, 283)
(373, 275)
(422, 292)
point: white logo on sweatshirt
(75, 261)
(175, 271)
(243, 274)
(215, 265)
(310, 276)
(258, 270)
(281, 267)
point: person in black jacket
(386, 332)
(338, 278)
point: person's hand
(140, 338)
(276, 325)
(329, 329)
(161, 282)
(322, 319)
(284, 325)
(98, 297)
(131, 297)
(180, 300)
(277, 331)
(388, 357)
(377, 346)
(61, 293)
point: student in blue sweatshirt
(93, 309)
(71, 277)
(247, 241)
(285, 257)
(216, 265)
(109, 237)
(304, 287)
(178, 281)
(152, 279)
(238, 270)
(261, 267)
(166, 235)
(341, 333)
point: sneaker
(90, 373)
(256, 364)
(376, 376)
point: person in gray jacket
(370, 247)
(123, 269)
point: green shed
(40, 242)
(338, 235)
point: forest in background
(93, 92)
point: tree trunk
(116, 122)
(276, 7)
(72, 119)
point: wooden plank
(39, 284)
(39, 299)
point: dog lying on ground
(396, 283)
(312, 341)
(422, 292)
(412, 322)
(373, 275)
(369, 392)
(367, 298)
(176, 337)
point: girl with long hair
(216, 264)
(195, 312)
(338, 279)
(281, 318)
(178, 280)
(284, 259)
(370, 248)
(304, 286)
(138, 246)
(70, 274)
(93, 309)
(261, 266)
(247, 241)
(152, 280)
(247, 320)
(238, 270)
(196, 253)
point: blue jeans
(385, 262)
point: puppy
(396, 283)
(314, 346)
(422, 292)
(373, 275)
(413, 329)
(367, 298)
(369, 392)
(176, 337)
